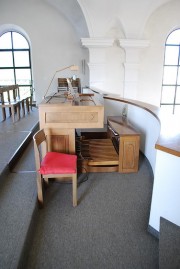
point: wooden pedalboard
(117, 150)
(97, 155)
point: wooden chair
(62, 84)
(12, 103)
(53, 165)
(26, 100)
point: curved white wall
(166, 190)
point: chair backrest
(40, 147)
(62, 83)
(9, 93)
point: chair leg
(23, 107)
(3, 113)
(27, 105)
(74, 189)
(18, 111)
(40, 189)
(46, 182)
(13, 114)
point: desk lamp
(71, 67)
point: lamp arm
(54, 76)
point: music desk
(60, 116)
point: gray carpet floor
(108, 229)
(169, 245)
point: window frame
(14, 68)
(174, 104)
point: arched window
(15, 62)
(170, 97)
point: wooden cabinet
(59, 117)
(126, 140)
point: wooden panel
(61, 140)
(60, 116)
(57, 116)
(69, 117)
(60, 143)
(129, 154)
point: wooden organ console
(60, 116)
(117, 149)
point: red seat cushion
(58, 163)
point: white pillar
(132, 49)
(97, 60)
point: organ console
(60, 116)
(117, 149)
(126, 141)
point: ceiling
(93, 17)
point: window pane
(167, 108)
(24, 92)
(6, 77)
(21, 58)
(171, 55)
(168, 95)
(170, 73)
(6, 59)
(19, 42)
(177, 110)
(178, 95)
(174, 38)
(5, 41)
(23, 76)
(178, 79)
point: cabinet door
(128, 154)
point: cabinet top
(122, 126)
(61, 99)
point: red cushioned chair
(53, 165)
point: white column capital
(97, 42)
(134, 43)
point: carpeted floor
(108, 229)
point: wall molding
(97, 42)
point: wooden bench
(9, 102)
(13, 101)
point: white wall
(165, 197)
(160, 24)
(140, 20)
(54, 42)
